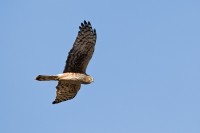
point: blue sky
(146, 66)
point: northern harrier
(74, 74)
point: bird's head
(88, 79)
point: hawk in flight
(74, 74)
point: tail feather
(46, 77)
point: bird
(74, 73)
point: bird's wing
(82, 51)
(66, 90)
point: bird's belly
(71, 77)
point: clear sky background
(146, 66)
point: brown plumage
(82, 51)
(74, 74)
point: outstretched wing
(66, 91)
(82, 51)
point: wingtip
(85, 22)
(55, 102)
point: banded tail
(46, 77)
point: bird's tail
(46, 77)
